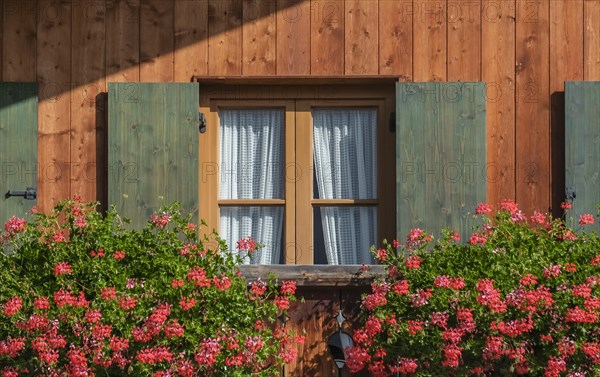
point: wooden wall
(523, 49)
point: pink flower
(247, 244)
(413, 262)
(282, 302)
(41, 303)
(509, 205)
(58, 236)
(586, 219)
(187, 303)
(483, 208)
(13, 306)
(108, 293)
(127, 303)
(417, 237)
(177, 283)
(80, 222)
(119, 255)
(15, 225)
(62, 268)
(288, 287)
(566, 205)
(160, 221)
(478, 239)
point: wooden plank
(153, 147)
(498, 72)
(429, 30)
(582, 147)
(442, 155)
(18, 40)
(362, 37)
(532, 135)
(191, 44)
(225, 37)
(395, 31)
(592, 40)
(87, 76)
(259, 37)
(53, 75)
(464, 40)
(314, 317)
(18, 146)
(156, 40)
(315, 275)
(566, 64)
(327, 37)
(293, 37)
(122, 40)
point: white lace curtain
(252, 162)
(345, 158)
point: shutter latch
(201, 123)
(570, 194)
(29, 194)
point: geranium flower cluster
(522, 297)
(82, 295)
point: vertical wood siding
(522, 49)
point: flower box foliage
(82, 295)
(521, 298)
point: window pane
(345, 153)
(344, 235)
(264, 224)
(252, 159)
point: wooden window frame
(298, 102)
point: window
(312, 179)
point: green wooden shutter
(441, 155)
(582, 148)
(153, 147)
(18, 146)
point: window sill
(316, 275)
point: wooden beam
(315, 275)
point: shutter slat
(153, 147)
(441, 155)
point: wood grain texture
(582, 144)
(53, 76)
(156, 40)
(87, 77)
(396, 41)
(361, 37)
(315, 275)
(566, 64)
(293, 37)
(429, 35)
(225, 37)
(122, 40)
(592, 40)
(191, 44)
(532, 137)
(153, 147)
(18, 146)
(441, 159)
(498, 72)
(18, 40)
(313, 316)
(327, 37)
(259, 37)
(464, 40)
